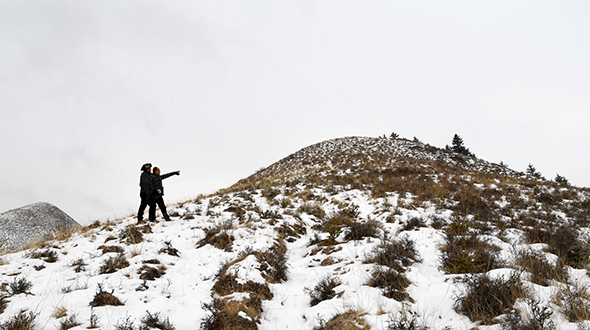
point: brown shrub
(218, 237)
(131, 235)
(104, 298)
(111, 248)
(485, 298)
(113, 264)
(394, 254)
(151, 273)
(350, 320)
(540, 269)
(468, 254)
(392, 283)
(359, 230)
(324, 290)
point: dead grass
(151, 273)
(392, 283)
(484, 298)
(350, 320)
(104, 298)
(113, 264)
(219, 237)
(324, 290)
(542, 271)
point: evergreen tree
(561, 180)
(532, 172)
(394, 135)
(459, 147)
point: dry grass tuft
(104, 298)
(392, 283)
(131, 234)
(350, 320)
(113, 264)
(324, 290)
(485, 298)
(22, 321)
(542, 271)
(151, 273)
(219, 237)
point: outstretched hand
(177, 172)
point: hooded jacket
(146, 183)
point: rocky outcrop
(31, 224)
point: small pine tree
(504, 165)
(532, 172)
(394, 135)
(561, 180)
(417, 140)
(459, 147)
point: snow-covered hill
(29, 224)
(352, 233)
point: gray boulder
(28, 225)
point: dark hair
(156, 169)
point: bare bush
(113, 264)
(20, 285)
(324, 290)
(22, 321)
(104, 298)
(485, 298)
(155, 321)
(392, 283)
(350, 320)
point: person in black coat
(146, 183)
(158, 191)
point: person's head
(147, 167)
(156, 171)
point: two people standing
(152, 191)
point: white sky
(91, 90)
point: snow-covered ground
(187, 284)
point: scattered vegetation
(395, 254)
(350, 320)
(468, 254)
(392, 283)
(539, 318)
(485, 297)
(574, 300)
(155, 321)
(219, 237)
(79, 265)
(20, 285)
(169, 249)
(541, 271)
(151, 273)
(131, 235)
(24, 320)
(113, 264)
(47, 255)
(3, 302)
(324, 290)
(105, 298)
(111, 248)
(69, 322)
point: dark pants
(160, 202)
(146, 200)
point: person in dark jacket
(146, 183)
(159, 190)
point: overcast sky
(91, 90)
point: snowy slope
(32, 223)
(229, 258)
